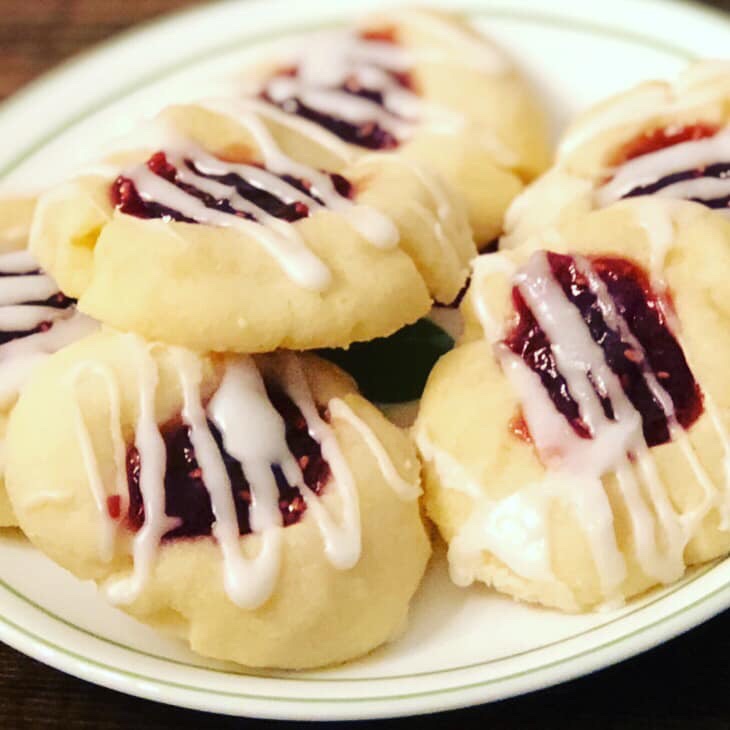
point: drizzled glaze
(517, 528)
(242, 435)
(184, 183)
(360, 86)
(357, 87)
(36, 319)
(692, 163)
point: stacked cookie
(217, 481)
(576, 444)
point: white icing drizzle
(657, 218)
(306, 128)
(343, 542)
(21, 284)
(650, 168)
(336, 55)
(516, 529)
(152, 454)
(700, 84)
(280, 239)
(18, 317)
(18, 357)
(26, 288)
(376, 228)
(107, 526)
(18, 262)
(254, 433)
(257, 440)
(402, 487)
(351, 108)
(341, 57)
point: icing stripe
(376, 228)
(696, 170)
(152, 452)
(403, 488)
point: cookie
(660, 139)
(428, 86)
(255, 506)
(576, 441)
(36, 318)
(228, 233)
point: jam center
(186, 496)
(629, 288)
(126, 197)
(370, 134)
(661, 138)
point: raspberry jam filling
(661, 138)
(188, 500)
(126, 198)
(643, 311)
(691, 175)
(370, 134)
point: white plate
(462, 646)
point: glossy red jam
(370, 134)
(126, 198)
(661, 138)
(643, 311)
(186, 496)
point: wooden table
(683, 684)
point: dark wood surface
(683, 684)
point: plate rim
(60, 657)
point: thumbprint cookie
(213, 235)
(576, 442)
(425, 85)
(255, 506)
